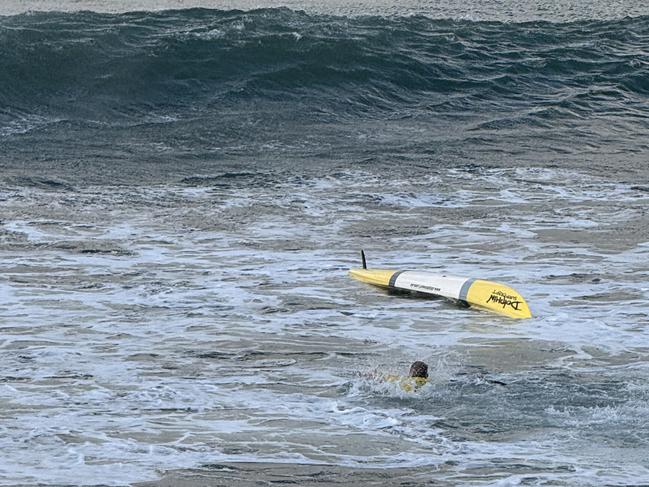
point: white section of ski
(426, 282)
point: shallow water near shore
(183, 193)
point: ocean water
(183, 191)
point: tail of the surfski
(378, 277)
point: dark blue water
(202, 88)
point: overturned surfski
(480, 293)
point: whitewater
(182, 193)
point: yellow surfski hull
(488, 295)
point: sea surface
(182, 193)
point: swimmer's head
(419, 369)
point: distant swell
(207, 85)
(119, 67)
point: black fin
(364, 261)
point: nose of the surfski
(498, 298)
(528, 312)
(524, 311)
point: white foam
(110, 353)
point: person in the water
(417, 377)
(419, 370)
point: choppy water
(498, 10)
(183, 192)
